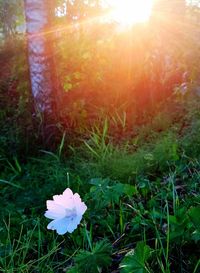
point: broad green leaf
(92, 261)
(129, 189)
(135, 260)
(194, 215)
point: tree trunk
(40, 56)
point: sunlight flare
(130, 12)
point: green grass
(140, 183)
(142, 194)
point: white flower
(66, 210)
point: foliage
(135, 260)
(154, 211)
(11, 15)
(98, 258)
(126, 142)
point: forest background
(116, 119)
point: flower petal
(60, 225)
(64, 201)
(66, 210)
(51, 215)
(55, 209)
(74, 223)
(80, 206)
(68, 193)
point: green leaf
(92, 261)
(129, 190)
(73, 269)
(194, 215)
(135, 260)
(196, 236)
(105, 192)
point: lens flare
(130, 12)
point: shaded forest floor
(142, 192)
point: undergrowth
(142, 195)
(137, 168)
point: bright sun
(130, 12)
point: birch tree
(40, 56)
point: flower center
(70, 213)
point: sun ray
(130, 12)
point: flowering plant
(66, 211)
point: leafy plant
(95, 260)
(136, 260)
(106, 192)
